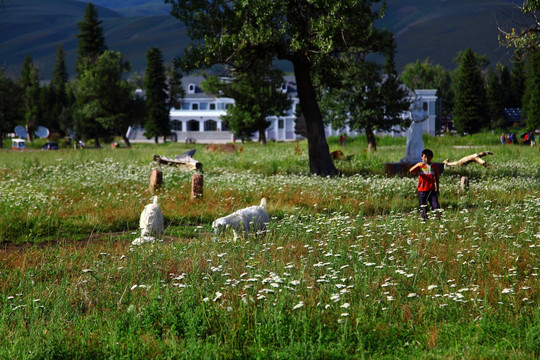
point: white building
(199, 119)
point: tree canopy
(104, 97)
(470, 106)
(531, 97)
(257, 94)
(367, 96)
(91, 38)
(157, 100)
(310, 34)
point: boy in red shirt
(428, 182)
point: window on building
(176, 125)
(210, 125)
(281, 124)
(191, 89)
(212, 106)
(194, 106)
(192, 125)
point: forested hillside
(433, 29)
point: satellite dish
(21, 132)
(42, 132)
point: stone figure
(415, 145)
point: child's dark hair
(428, 153)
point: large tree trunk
(371, 141)
(126, 140)
(97, 145)
(320, 162)
(262, 136)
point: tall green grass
(345, 270)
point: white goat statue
(151, 223)
(242, 221)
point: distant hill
(438, 29)
(37, 27)
(434, 29)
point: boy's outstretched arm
(416, 166)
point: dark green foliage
(428, 76)
(104, 98)
(11, 106)
(31, 94)
(517, 84)
(175, 91)
(91, 39)
(496, 99)
(531, 97)
(367, 96)
(155, 85)
(257, 94)
(470, 111)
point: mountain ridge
(424, 29)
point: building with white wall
(199, 118)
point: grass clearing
(345, 270)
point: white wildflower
(298, 306)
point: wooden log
(196, 186)
(468, 159)
(184, 162)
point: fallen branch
(468, 159)
(183, 162)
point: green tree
(90, 47)
(428, 76)
(495, 99)
(157, 105)
(470, 111)
(257, 94)
(54, 98)
(91, 39)
(306, 33)
(11, 105)
(31, 95)
(369, 96)
(105, 96)
(531, 97)
(525, 37)
(517, 83)
(175, 90)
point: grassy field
(345, 270)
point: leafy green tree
(157, 100)
(91, 38)
(175, 90)
(428, 76)
(495, 99)
(525, 37)
(11, 105)
(306, 33)
(470, 111)
(531, 97)
(517, 83)
(31, 95)
(105, 96)
(54, 98)
(369, 96)
(257, 94)
(506, 84)
(90, 47)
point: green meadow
(345, 270)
